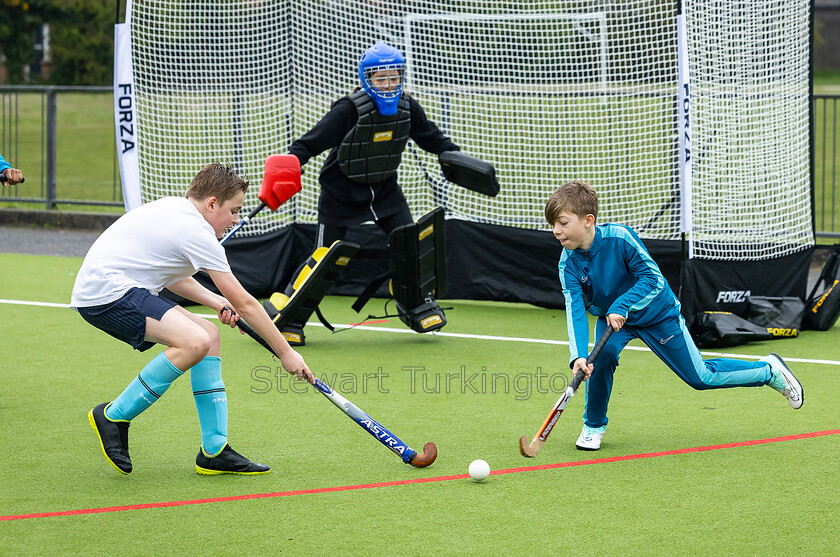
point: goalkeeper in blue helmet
(367, 132)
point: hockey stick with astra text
(380, 432)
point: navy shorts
(125, 319)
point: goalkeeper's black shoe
(113, 438)
(227, 462)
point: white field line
(39, 304)
(468, 336)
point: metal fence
(33, 118)
(824, 144)
(85, 172)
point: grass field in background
(827, 82)
(86, 164)
(761, 499)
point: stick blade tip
(427, 457)
(527, 449)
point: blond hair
(575, 197)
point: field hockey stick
(530, 449)
(243, 222)
(4, 179)
(380, 432)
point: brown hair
(217, 180)
(575, 197)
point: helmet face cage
(384, 81)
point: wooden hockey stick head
(529, 448)
(426, 458)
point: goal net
(750, 94)
(547, 91)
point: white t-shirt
(150, 247)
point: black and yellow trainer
(113, 438)
(227, 461)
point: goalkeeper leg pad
(424, 318)
(291, 309)
(417, 254)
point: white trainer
(783, 380)
(590, 438)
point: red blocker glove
(281, 180)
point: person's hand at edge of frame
(12, 176)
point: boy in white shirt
(161, 245)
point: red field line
(419, 480)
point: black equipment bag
(780, 316)
(722, 329)
(823, 305)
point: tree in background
(82, 43)
(81, 39)
(17, 27)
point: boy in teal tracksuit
(608, 266)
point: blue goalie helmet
(382, 71)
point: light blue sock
(211, 403)
(147, 387)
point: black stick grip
(4, 179)
(243, 222)
(251, 332)
(600, 344)
(578, 378)
(256, 210)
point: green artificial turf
(762, 499)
